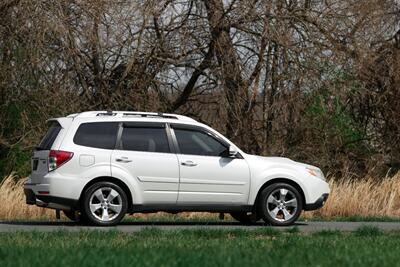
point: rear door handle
(123, 160)
(189, 163)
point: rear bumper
(47, 201)
(57, 184)
(317, 204)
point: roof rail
(107, 113)
(148, 114)
(114, 113)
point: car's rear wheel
(280, 204)
(104, 204)
(244, 217)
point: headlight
(316, 172)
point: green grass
(353, 219)
(152, 247)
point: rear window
(50, 137)
(97, 134)
(145, 139)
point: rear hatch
(41, 154)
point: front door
(207, 174)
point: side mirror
(232, 152)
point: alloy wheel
(105, 204)
(282, 204)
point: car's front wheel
(280, 204)
(104, 204)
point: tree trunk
(229, 64)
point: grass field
(151, 247)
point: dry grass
(366, 198)
(13, 205)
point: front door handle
(189, 163)
(123, 160)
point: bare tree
(314, 80)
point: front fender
(276, 173)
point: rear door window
(50, 137)
(145, 139)
(97, 134)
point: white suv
(96, 166)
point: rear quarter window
(97, 134)
(50, 137)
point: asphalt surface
(131, 227)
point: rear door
(145, 152)
(40, 156)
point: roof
(128, 114)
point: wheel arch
(280, 180)
(110, 179)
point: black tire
(244, 218)
(94, 218)
(280, 218)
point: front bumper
(317, 204)
(46, 201)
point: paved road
(130, 227)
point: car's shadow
(142, 223)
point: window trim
(196, 129)
(170, 133)
(132, 124)
(144, 124)
(173, 146)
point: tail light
(58, 158)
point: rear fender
(130, 181)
